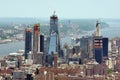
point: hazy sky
(63, 8)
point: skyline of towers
(100, 49)
(38, 40)
(28, 41)
(37, 48)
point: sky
(63, 8)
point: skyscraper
(105, 47)
(98, 49)
(84, 42)
(43, 55)
(54, 28)
(28, 41)
(36, 41)
(98, 44)
(41, 43)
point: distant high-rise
(55, 29)
(42, 49)
(84, 42)
(98, 49)
(36, 41)
(41, 43)
(28, 41)
(98, 45)
(105, 47)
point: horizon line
(58, 17)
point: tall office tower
(43, 56)
(84, 46)
(28, 41)
(105, 47)
(97, 28)
(36, 42)
(55, 29)
(98, 48)
(41, 43)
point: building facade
(41, 43)
(36, 42)
(105, 47)
(28, 41)
(54, 28)
(98, 49)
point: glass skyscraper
(28, 41)
(55, 29)
(98, 49)
(105, 47)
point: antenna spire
(54, 12)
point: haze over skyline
(63, 8)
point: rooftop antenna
(54, 12)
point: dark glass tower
(105, 47)
(98, 49)
(41, 43)
(28, 41)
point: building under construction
(36, 42)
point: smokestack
(97, 28)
